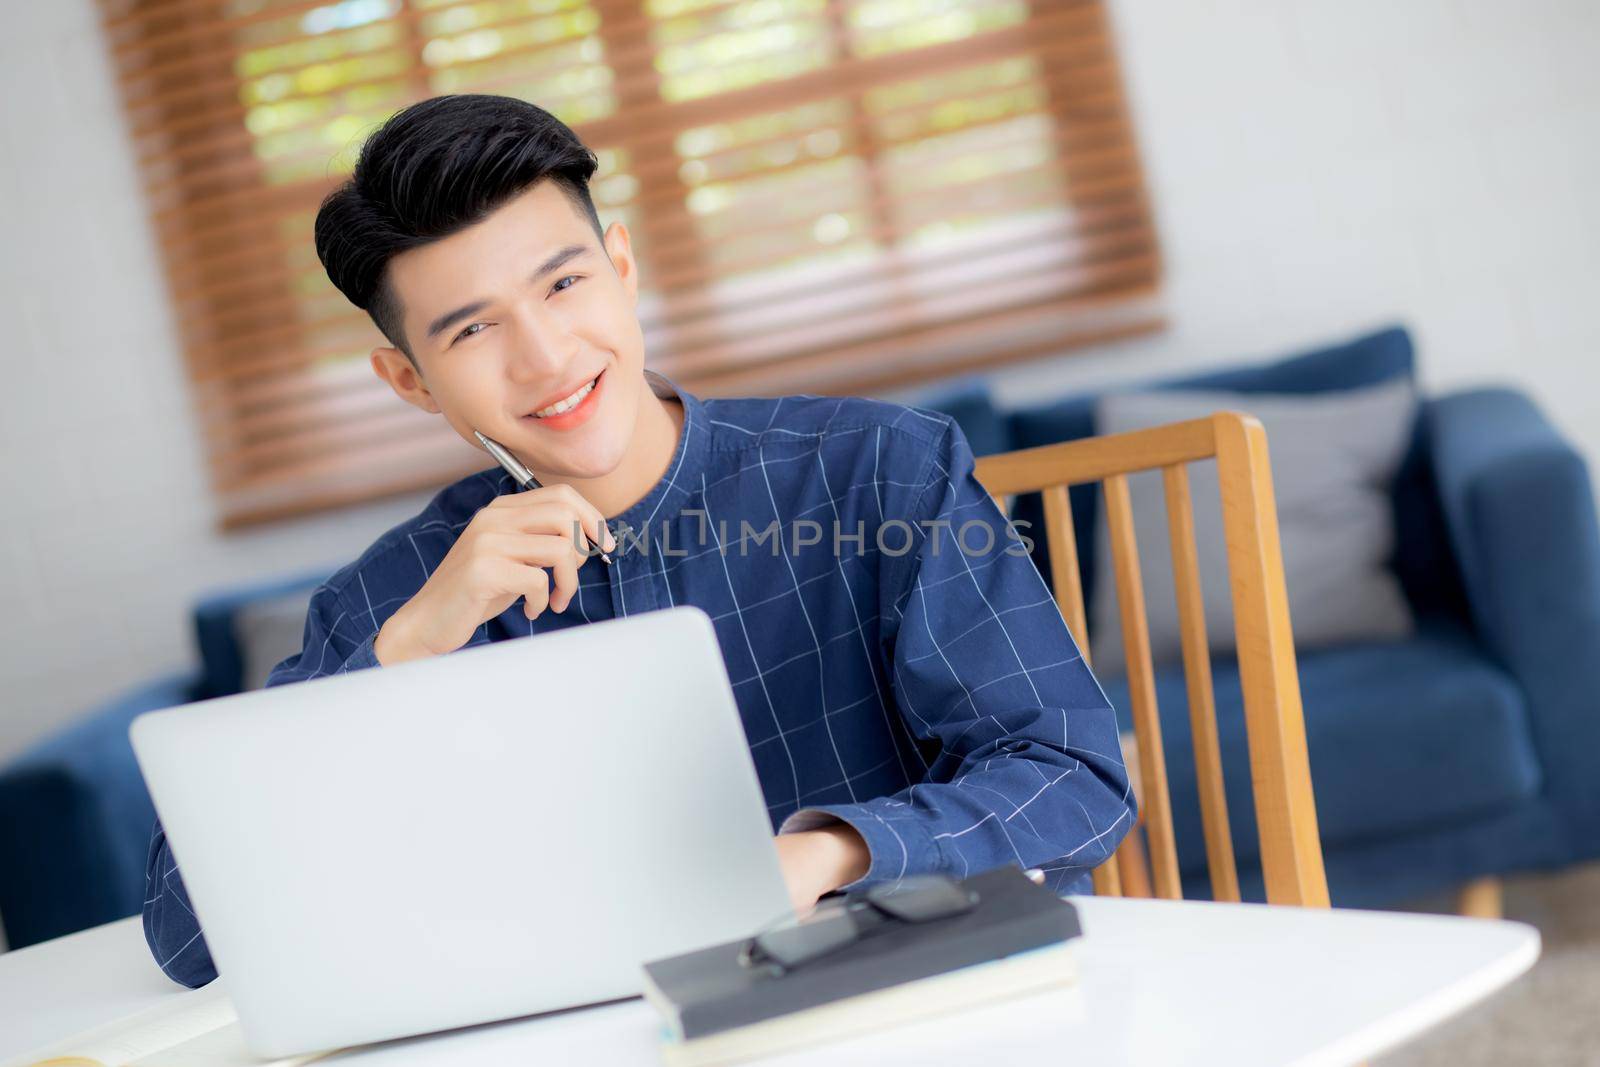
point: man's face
(516, 314)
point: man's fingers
(559, 583)
(533, 582)
(565, 573)
(549, 501)
(563, 516)
(587, 516)
(543, 549)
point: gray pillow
(269, 631)
(1333, 457)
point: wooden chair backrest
(1291, 852)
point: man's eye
(559, 286)
(469, 331)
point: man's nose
(543, 347)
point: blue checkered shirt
(897, 660)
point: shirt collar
(667, 497)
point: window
(826, 196)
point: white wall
(1318, 168)
(107, 535)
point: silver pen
(521, 474)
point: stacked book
(717, 1008)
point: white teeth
(565, 405)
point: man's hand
(819, 861)
(501, 555)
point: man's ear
(392, 366)
(619, 246)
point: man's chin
(581, 460)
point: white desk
(1163, 982)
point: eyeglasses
(918, 899)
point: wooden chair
(1291, 853)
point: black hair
(433, 169)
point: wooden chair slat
(1133, 865)
(1065, 575)
(1197, 679)
(1130, 860)
(1155, 801)
(1093, 459)
(1146, 862)
(1106, 882)
(1291, 852)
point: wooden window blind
(825, 196)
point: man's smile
(571, 410)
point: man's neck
(655, 440)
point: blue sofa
(1468, 750)
(75, 816)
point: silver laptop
(505, 830)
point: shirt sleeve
(337, 640)
(334, 643)
(1019, 744)
(170, 926)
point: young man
(912, 699)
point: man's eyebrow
(450, 318)
(560, 257)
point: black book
(1014, 941)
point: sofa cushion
(1334, 458)
(223, 666)
(1423, 560)
(1403, 736)
(1366, 361)
(269, 631)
